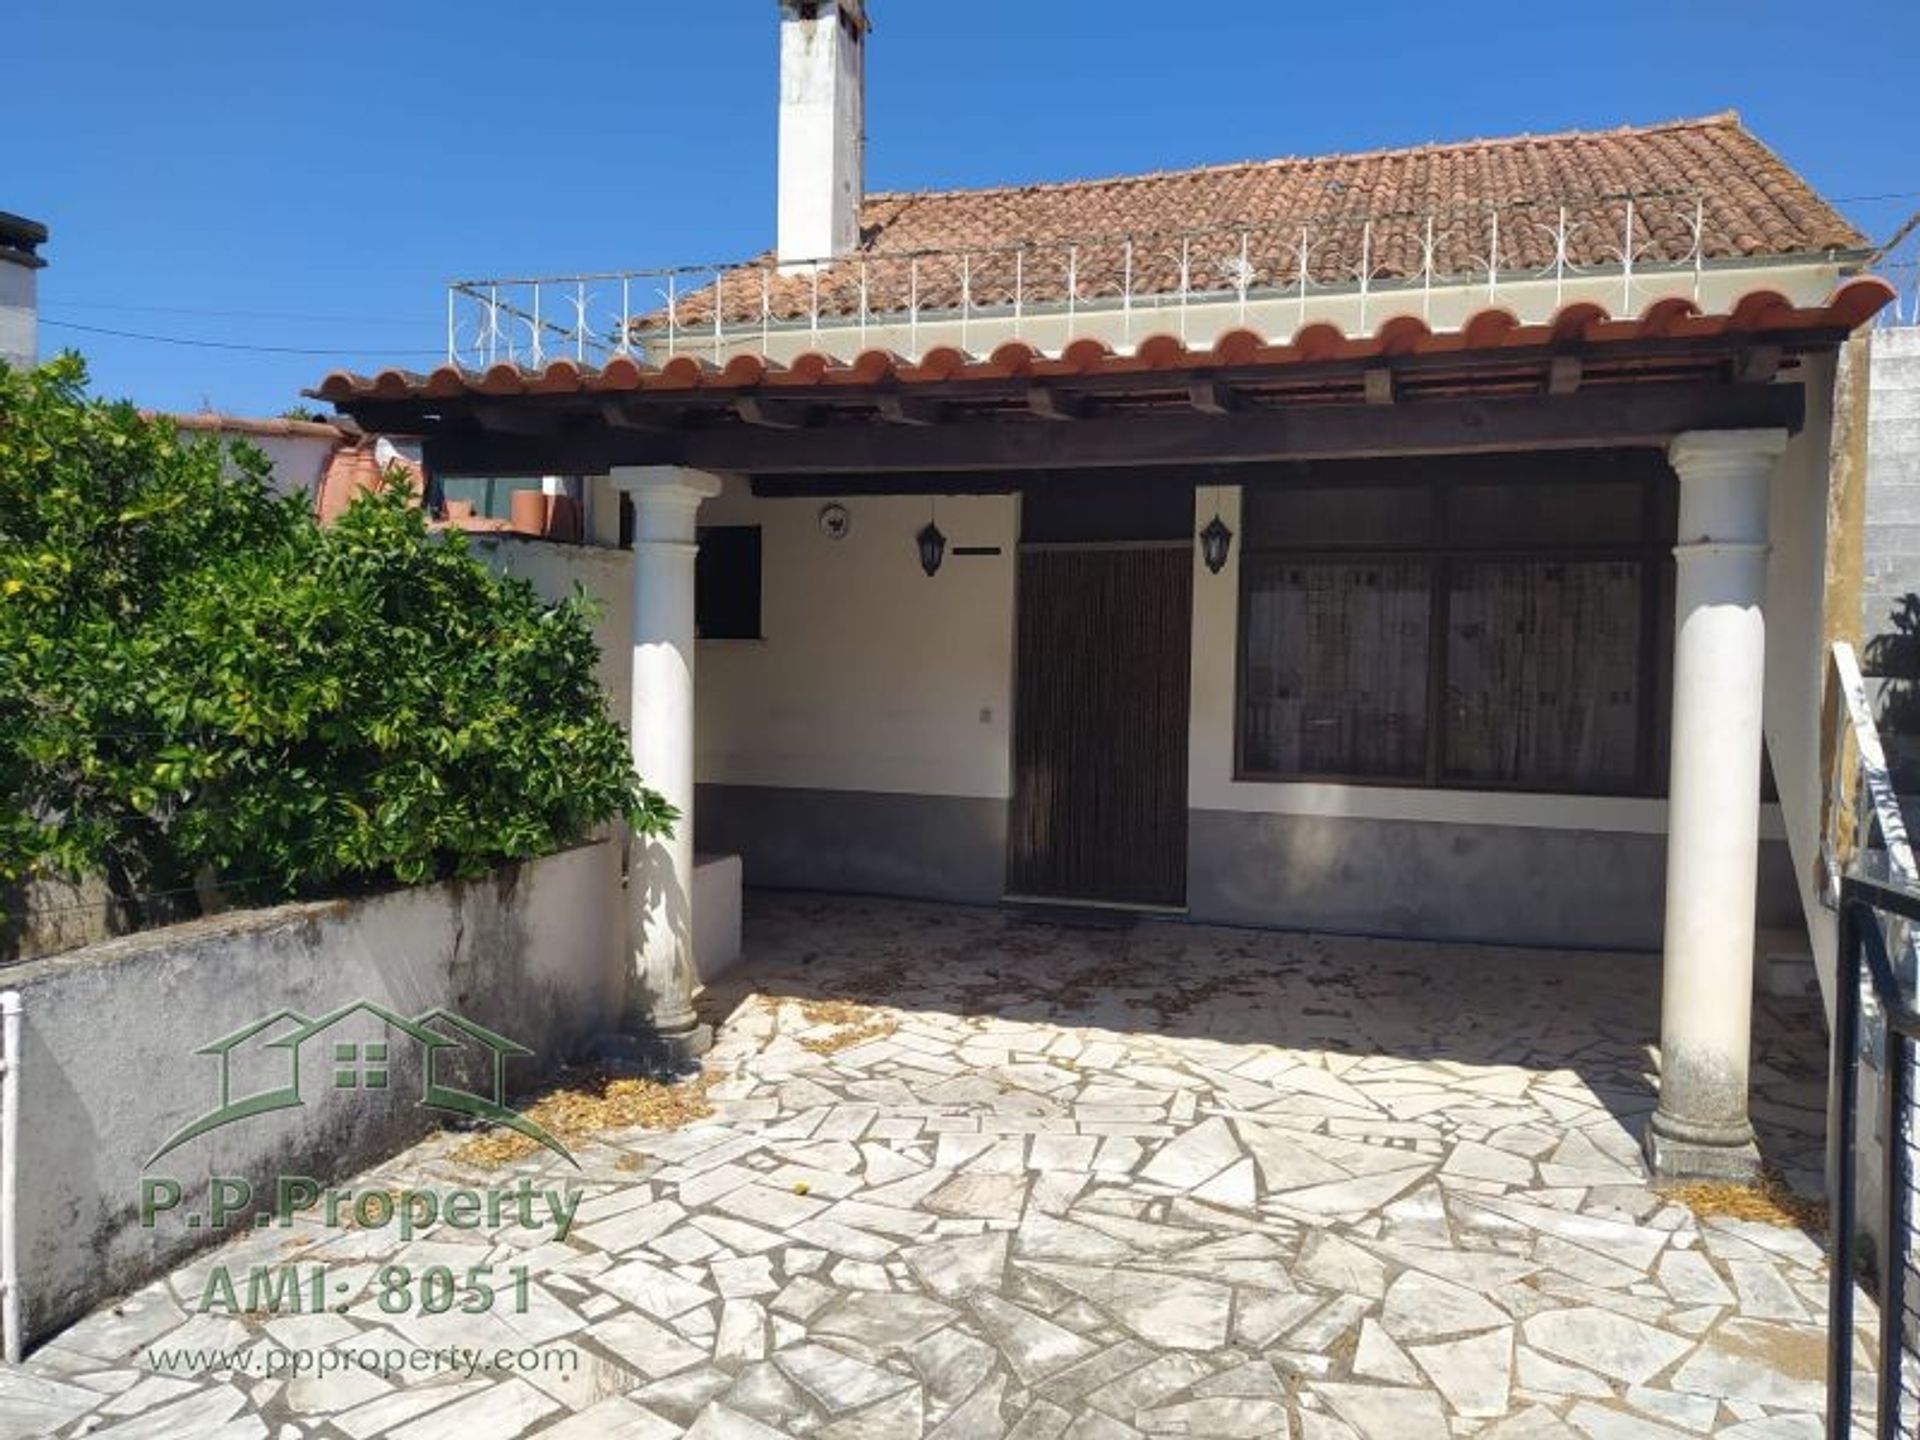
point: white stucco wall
(606, 575)
(1796, 649)
(298, 461)
(870, 675)
(109, 1069)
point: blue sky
(309, 177)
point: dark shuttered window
(1495, 623)
(726, 583)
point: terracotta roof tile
(1758, 312)
(1749, 202)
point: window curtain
(1543, 662)
(1336, 667)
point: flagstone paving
(1080, 1184)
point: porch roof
(1562, 380)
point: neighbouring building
(1423, 542)
(331, 463)
(20, 267)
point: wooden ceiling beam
(508, 419)
(1756, 364)
(1051, 403)
(897, 409)
(773, 414)
(1214, 397)
(1594, 417)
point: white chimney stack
(20, 266)
(823, 142)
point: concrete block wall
(110, 1068)
(1892, 569)
(1890, 579)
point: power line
(110, 305)
(229, 344)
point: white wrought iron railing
(1624, 248)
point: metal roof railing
(1637, 246)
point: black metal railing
(1867, 988)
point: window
(491, 498)
(1494, 622)
(726, 583)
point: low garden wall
(114, 1062)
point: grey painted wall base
(925, 847)
(1514, 885)
(1506, 884)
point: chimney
(823, 142)
(20, 264)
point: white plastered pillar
(1701, 1128)
(660, 982)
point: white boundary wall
(109, 1070)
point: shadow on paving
(1594, 1014)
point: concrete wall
(1796, 660)
(606, 575)
(1892, 550)
(869, 675)
(863, 742)
(299, 461)
(108, 1071)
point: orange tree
(198, 684)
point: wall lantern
(1215, 540)
(933, 545)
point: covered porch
(901, 712)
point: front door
(1099, 808)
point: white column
(666, 501)
(1701, 1127)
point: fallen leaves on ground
(856, 1025)
(1769, 1202)
(594, 1104)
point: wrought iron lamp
(1215, 540)
(933, 545)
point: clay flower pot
(529, 512)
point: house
(331, 463)
(303, 453)
(1424, 542)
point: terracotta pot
(529, 512)
(459, 510)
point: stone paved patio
(1084, 1183)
